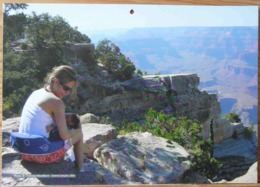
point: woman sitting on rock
(45, 107)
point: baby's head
(72, 120)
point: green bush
(24, 46)
(20, 70)
(233, 117)
(114, 61)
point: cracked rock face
(175, 94)
(144, 158)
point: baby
(73, 122)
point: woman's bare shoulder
(54, 102)
(49, 102)
(57, 102)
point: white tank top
(34, 119)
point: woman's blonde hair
(64, 74)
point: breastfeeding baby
(73, 122)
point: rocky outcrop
(240, 147)
(144, 158)
(163, 83)
(95, 135)
(129, 100)
(178, 92)
(224, 129)
(175, 94)
(236, 155)
(79, 53)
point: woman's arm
(60, 120)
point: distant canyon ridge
(225, 59)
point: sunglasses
(66, 88)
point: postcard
(129, 94)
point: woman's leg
(77, 142)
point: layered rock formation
(144, 158)
(236, 155)
(129, 100)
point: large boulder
(89, 118)
(142, 157)
(224, 129)
(94, 135)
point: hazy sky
(89, 17)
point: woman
(45, 107)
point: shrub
(24, 46)
(114, 61)
(20, 70)
(233, 117)
(139, 72)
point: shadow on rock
(65, 171)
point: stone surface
(89, 118)
(236, 155)
(249, 177)
(191, 177)
(223, 129)
(94, 135)
(144, 158)
(16, 172)
(9, 124)
(161, 83)
(237, 147)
